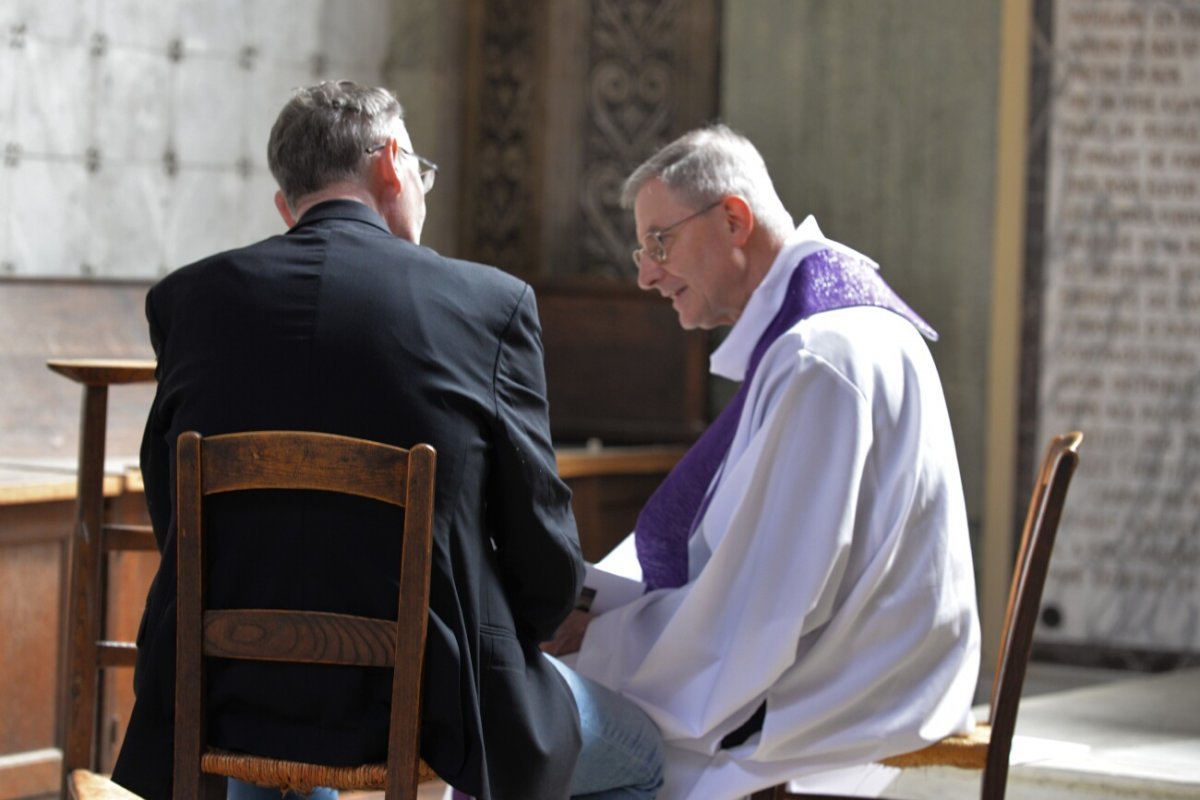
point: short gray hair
(321, 136)
(707, 164)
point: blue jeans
(622, 755)
(621, 759)
(248, 791)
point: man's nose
(649, 272)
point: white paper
(611, 590)
(622, 560)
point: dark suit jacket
(338, 326)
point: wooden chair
(89, 651)
(298, 460)
(987, 748)
(83, 784)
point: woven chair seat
(299, 776)
(968, 751)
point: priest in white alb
(809, 602)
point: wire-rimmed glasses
(657, 249)
(428, 169)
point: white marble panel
(355, 35)
(94, 95)
(146, 24)
(207, 126)
(202, 215)
(285, 31)
(325, 70)
(62, 21)
(11, 61)
(266, 94)
(133, 102)
(52, 110)
(10, 64)
(127, 205)
(10, 14)
(213, 26)
(7, 265)
(48, 233)
(260, 219)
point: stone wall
(879, 118)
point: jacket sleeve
(530, 507)
(155, 451)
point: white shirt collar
(732, 358)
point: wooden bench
(39, 441)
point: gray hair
(322, 135)
(707, 164)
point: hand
(569, 636)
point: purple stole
(823, 281)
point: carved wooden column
(565, 98)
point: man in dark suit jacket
(345, 325)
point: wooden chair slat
(303, 460)
(308, 636)
(128, 538)
(116, 654)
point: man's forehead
(655, 206)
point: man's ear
(386, 167)
(739, 218)
(282, 207)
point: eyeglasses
(657, 249)
(428, 169)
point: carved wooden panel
(565, 98)
(504, 125)
(593, 334)
(651, 76)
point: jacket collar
(342, 209)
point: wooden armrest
(87, 785)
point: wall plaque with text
(1120, 325)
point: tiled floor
(1138, 736)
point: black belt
(747, 729)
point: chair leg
(212, 787)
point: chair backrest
(1024, 601)
(302, 460)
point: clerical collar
(732, 357)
